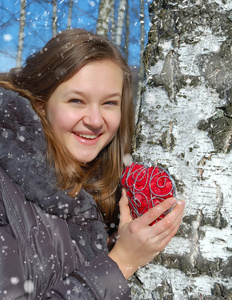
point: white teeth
(86, 136)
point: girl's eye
(112, 102)
(75, 101)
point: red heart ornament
(146, 188)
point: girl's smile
(85, 111)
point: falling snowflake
(92, 3)
(28, 286)
(14, 280)
(7, 37)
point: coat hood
(23, 157)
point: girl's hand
(137, 242)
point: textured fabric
(51, 246)
(23, 156)
(39, 260)
(36, 249)
(96, 275)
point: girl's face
(85, 111)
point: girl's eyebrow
(117, 94)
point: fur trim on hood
(23, 156)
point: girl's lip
(86, 135)
(88, 139)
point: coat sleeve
(11, 268)
(99, 279)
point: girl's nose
(93, 118)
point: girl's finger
(152, 214)
(166, 236)
(170, 223)
(125, 215)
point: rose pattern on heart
(146, 187)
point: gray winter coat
(51, 246)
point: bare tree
(70, 9)
(120, 22)
(22, 21)
(141, 52)
(127, 34)
(54, 17)
(10, 20)
(105, 7)
(112, 23)
(142, 39)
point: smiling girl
(85, 111)
(67, 119)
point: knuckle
(133, 227)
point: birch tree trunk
(22, 21)
(113, 25)
(120, 22)
(141, 66)
(127, 37)
(185, 125)
(54, 17)
(142, 37)
(104, 17)
(70, 9)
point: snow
(92, 3)
(14, 280)
(216, 243)
(183, 286)
(205, 42)
(201, 251)
(28, 286)
(7, 37)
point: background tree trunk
(105, 7)
(54, 17)
(185, 125)
(113, 25)
(22, 21)
(127, 30)
(70, 10)
(120, 22)
(142, 39)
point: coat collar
(23, 157)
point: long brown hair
(43, 71)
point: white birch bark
(185, 124)
(113, 25)
(54, 17)
(142, 39)
(22, 21)
(120, 22)
(141, 66)
(127, 38)
(104, 17)
(70, 9)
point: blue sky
(38, 25)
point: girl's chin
(85, 161)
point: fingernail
(173, 201)
(181, 202)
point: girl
(66, 121)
